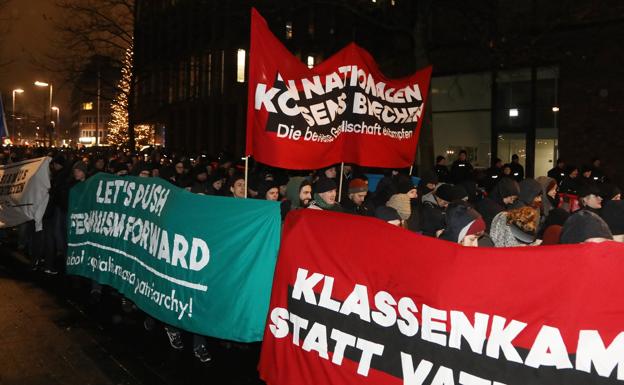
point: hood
(292, 190)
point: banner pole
(411, 169)
(340, 184)
(246, 173)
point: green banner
(201, 263)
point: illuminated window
(240, 66)
(87, 106)
(289, 32)
(310, 61)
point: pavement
(50, 334)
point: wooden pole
(246, 173)
(411, 169)
(340, 184)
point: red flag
(342, 110)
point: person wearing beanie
(549, 194)
(388, 214)
(432, 209)
(464, 225)
(441, 170)
(516, 227)
(502, 197)
(406, 186)
(298, 195)
(355, 202)
(585, 226)
(80, 169)
(428, 182)
(612, 213)
(589, 198)
(401, 203)
(325, 195)
(268, 190)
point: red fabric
(569, 287)
(552, 235)
(569, 202)
(272, 67)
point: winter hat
(445, 192)
(613, 214)
(80, 165)
(264, 187)
(529, 190)
(608, 191)
(387, 214)
(588, 189)
(195, 171)
(401, 203)
(458, 193)
(324, 185)
(429, 176)
(507, 187)
(582, 226)
(461, 220)
(405, 184)
(59, 159)
(358, 185)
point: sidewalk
(49, 335)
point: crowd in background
(496, 207)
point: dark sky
(30, 34)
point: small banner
(24, 190)
(342, 110)
(201, 263)
(358, 301)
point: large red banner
(342, 110)
(357, 301)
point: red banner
(342, 110)
(358, 301)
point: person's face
(238, 189)
(462, 157)
(553, 192)
(329, 197)
(217, 184)
(499, 164)
(56, 166)
(347, 169)
(99, 164)
(331, 172)
(412, 194)
(442, 162)
(561, 165)
(593, 201)
(202, 177)
(155, 173)
(507, 171)
(617, 197)
(574, 174)
(358, 198)
(442, 203)
(272, 194)
(144, 174)
(470, 240)
(179, 168)
(305, 195)
(431, 186)
(587, 174)
(510, 199)
(79, 174)
(597, 163)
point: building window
(240, 66)
(289, 31)
(88, 106)
(310, 61)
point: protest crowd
(497, 207)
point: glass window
(88, 106)
(240, 66)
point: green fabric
(201, 263)
(324, 205)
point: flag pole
(340, 184)
(246, 173)
(411, 169)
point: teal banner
(201, 263)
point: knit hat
(445, 192)
(429, 176)
(80, 165)
(59, 159)
(401, 203)
(461, 220)
(582, 226)
(324, 185)
(358, 185)
(613, 214)
(387, 214)
(405, 184)
(529, 190)
(264, 187)
(588, 189)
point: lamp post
(44, 84)
(58, 117)
(15, 91)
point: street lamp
(15, 91)
(44, 84)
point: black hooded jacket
(493, 204)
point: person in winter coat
(236, 186)
(493, 174)
(530, 194)
(268, 190)
(516, 227)
(612, 213)
(441, 170)
(298, 195)
(355, 203)
(461, 169)
(433, 208)
(502, 197)
(549, 194)
(389, 215)
(589, 198)
(517, 171)
(558, 172)
(570, 184)
(464, 225)
(325, 195)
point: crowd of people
(497, 207)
